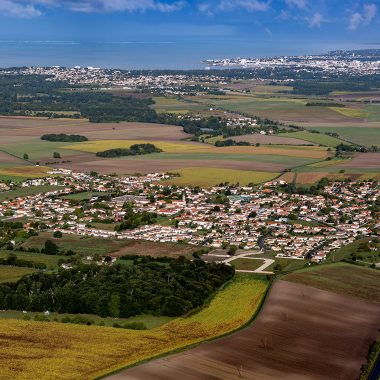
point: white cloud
(250, 5)
(30, 8)
(11, 8)
(316, 20)
(365, 17)
(296, 3)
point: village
(229, 217)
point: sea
(145, 54)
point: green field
(50, 261)
(200, 176)
(12, 274)
(317, 138)
(175, 105)
(346, 279)
(246, 264)
(362, 134)
(84, 196)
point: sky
(208, 28)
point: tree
(51, 248)
(232, 250)
(56, 155)
(26, 156)
(114, 306)
(57, 234)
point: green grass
(317, 138)
(341, 278)
(150, 321)
(366, 135)
(50, 261)
(373, 112)
(346, 251)
(25, 191)
(175, 105)
(79, 244)
(12, 274)
(247, 264)
(84, 196)
(287, 265)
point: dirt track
(302, 333)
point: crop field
(12, 274)
(354, 113)
(283, 108)
(24, 172)
(84, 195)
(341, 278)
(283, 139)
(282, 343)
(201, 176)
(316, 138)
(189, 147)
(366, 134)
(70, 352)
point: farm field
(53, 349)
(199, 176)
(275, 107)
(281, 139)
(173, 105)
(346, 279)
(84, 195)
(316, 138)
(282, 343)
(366, 134)
(11, 274)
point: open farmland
(51, 261)
(199, 176)
(316, 138)
(345, 279)
(283, 343)
(363, 133)
(283, 139)
(37, 350)
(275, 107)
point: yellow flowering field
(48, 350)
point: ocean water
(145, 55)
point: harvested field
(25, 171)
(310, 178)
(346, 279)
(272, 139)
(363, 160)
(147, 248)
(302, 333)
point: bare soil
(302, 333)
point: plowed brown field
(302, 333)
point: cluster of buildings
(354, 63)
(291, 225)
(176, 83)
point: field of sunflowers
(50, 350)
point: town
(265, 218)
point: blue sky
(337, 21)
